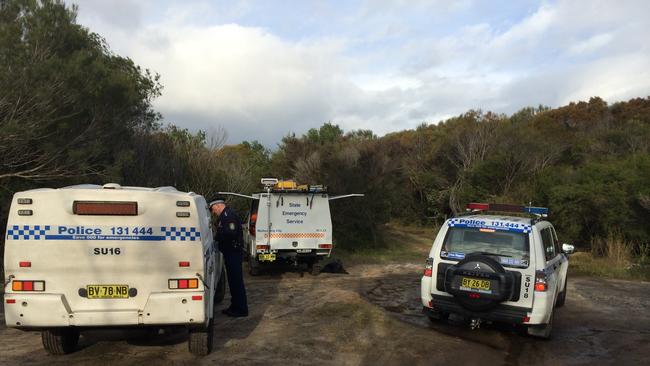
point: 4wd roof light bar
(500, 207)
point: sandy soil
(371, 316)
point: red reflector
(428, 272)
(11, 301)
(431, 304)
(526, 319)
(197, 297)
(183, 264)
(182, 283)
(28, 286)
(474, 296)
(478, 206)
(25, 264)
(105, 208)
(540, 286)
(263, 247)
(325, 246)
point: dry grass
(613, 257)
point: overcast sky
(262, 69)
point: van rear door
(108, 251)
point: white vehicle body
(523, 298)
(289, 224)
(92, 265)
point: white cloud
(373, 70)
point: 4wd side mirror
(568, 248)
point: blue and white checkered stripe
(521, 228)
(174, 233)
(27, 232)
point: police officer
(230, 238)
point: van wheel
(541, 331)
(561, 297)
(220, 291)
(253, 266)
(200, 339)
(60, 341)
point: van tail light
(251, 228)
(428, 268)
(28, 286)
(540, 281)
(325, 246)
(182, 283)
(24, 264)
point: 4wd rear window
(511, 249)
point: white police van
(93, 256)
(289, 223)
(497, 267)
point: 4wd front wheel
(60, 341)
(200, 339)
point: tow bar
(475, 323)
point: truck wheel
(200, 339)
(253, 266)
(315, 268)
(220, 291)
(60, 341)
(561, 297)
(542, 331)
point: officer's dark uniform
(230, 238)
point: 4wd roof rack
(537, 212)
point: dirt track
(372, 316)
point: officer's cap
(217, 199)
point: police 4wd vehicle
(289, 223)
(94, 256)
(497, 267)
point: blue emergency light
(543, 211)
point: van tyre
(561, 297)
(60, 341)
(220, 291)
(200, 339)
(542, 331)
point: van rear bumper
(53, 310)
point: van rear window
(107, 208)
(508, 248)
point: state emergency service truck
(91, 256)
(289, 223)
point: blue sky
(262, 69)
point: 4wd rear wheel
(542, 331)
(60, 341)
(200, 339)
(220, 291)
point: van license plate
(475, 284)
(270, 257)
(107, 291)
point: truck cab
(92, 256)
